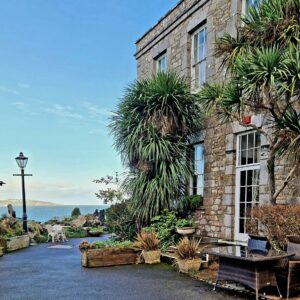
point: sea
(45, 213)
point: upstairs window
(161, 62)
(199, 45)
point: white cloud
(63, 111)
(95, 111)
(99, 131)
(8, 90)
(23, 85)
(22, 106)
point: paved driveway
(40, 272)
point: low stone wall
(18, 242)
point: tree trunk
(271, 176)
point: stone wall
(173, 35)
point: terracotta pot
(151, 257)
(185, 230)
(189, 265)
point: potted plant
(188, 260)
(149, 244)
(185, 226)
(95, 231)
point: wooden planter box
(17, 242)
(91, 258)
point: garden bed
(16, 243)
(91, 258)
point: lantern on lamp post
(22, 162)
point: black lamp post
(22, 162)
(1, 183)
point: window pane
(242, 210)
(200, 191)
(243, 155)
(202, 75)
(249, 177)
(243, 142)
(196, 47)
(242, 224)
(257, 139)
(242, 194)
(250, 140)
(249, 194)
(199, 152)
(200, 181)
(200, 167)
(243, 178)
(250, 156)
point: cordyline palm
(151, 128)
(264, 66)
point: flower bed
(103, 254)
(17, 242)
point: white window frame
(196, 85)
(239, 169)
(158, 63)
(200, 190)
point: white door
(247, 181)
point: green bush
(189, 204)
(112, 244)
(185, 223)
(75, 212)
(120, 221)
(73, 232)
(164, 226)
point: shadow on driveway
(40, 272)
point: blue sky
(63, 67)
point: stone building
(230, 160)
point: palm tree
(263, 62)
(151, 128)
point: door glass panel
(248, 171)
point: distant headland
(18, 202)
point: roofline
(159, 21)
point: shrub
(275, 222)
(105, 244)
(76, 212)
(74, 232)
(120, 221)
(187, 249)
(185, 223)
(164, 226)
(147, 241)
(189, 204)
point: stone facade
(173, 35)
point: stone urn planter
(17, 242)
(151, 257)
(189, 265)
(185, 230)
(91, 258)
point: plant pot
(189, 265)
(94, 233)
(151, 257)
(185, 230)
(91, 258)
(17, 242)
